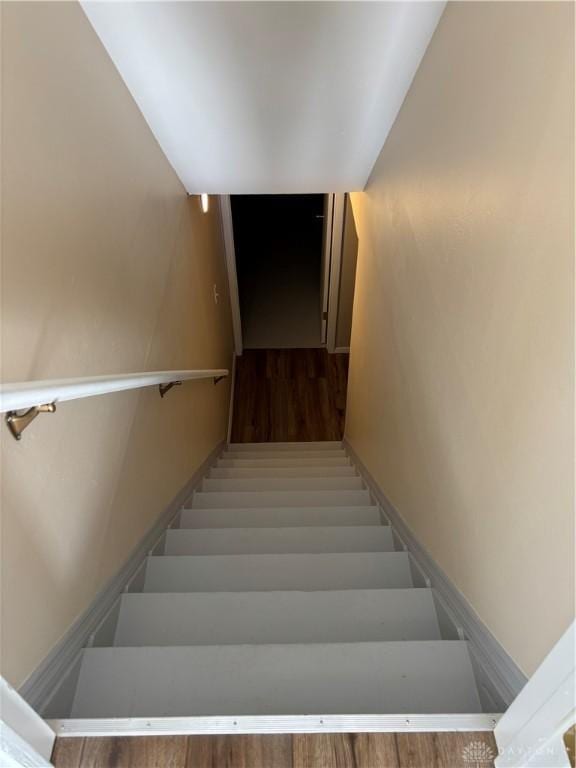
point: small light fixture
(204, 202)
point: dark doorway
(278, 243)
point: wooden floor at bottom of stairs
(337, 750)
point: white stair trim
(262, 724)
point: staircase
(281, 591)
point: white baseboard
(174, 726)
(502, 672)
(41, 686)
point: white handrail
(28, 394)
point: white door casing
(230, 252)
(339, 206)
(529, 734)
(25, 738)
(325, 263)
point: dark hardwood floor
(289, 394)
(339, 750)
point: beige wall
(461, 381)
(347, 277)
(107, 267)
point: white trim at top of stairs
(15, 752)
(174, 726)
(44, 682)
(531, 731)
(25, 738)
(504, 674)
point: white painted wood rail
(28, 394)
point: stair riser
(279, 617)
(238, 541)
(407, 677)
(246, 499)
(243, 473)
(279, 517)
(341, 461)
(283, 484)
(284, 455)
(263, 573)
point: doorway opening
(291, 262)
(292, 265)
(278, 245)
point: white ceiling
(268, 97)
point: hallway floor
(341, 750)
(286, 395)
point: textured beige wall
(461, 383)
(107, 267)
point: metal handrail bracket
(167, 387)
(18, 421)
(23, 401)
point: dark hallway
(278, 242)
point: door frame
(330, 270)
(325, 265)
(530, 733)
(335, 268)
(230, 254)
(25, 738)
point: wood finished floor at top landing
(330, 750)
(289, 395)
